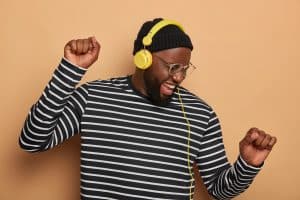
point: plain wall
(247, 58)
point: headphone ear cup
(143, 59)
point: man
(141, 134)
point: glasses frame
(182, 69)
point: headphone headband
(147, 40)
(143, 58)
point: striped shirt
(130, 148)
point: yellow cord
(188, 144)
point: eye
(175, 67)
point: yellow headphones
(143, 58)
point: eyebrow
(163, 60)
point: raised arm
(56, 116)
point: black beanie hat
(170, 36)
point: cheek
(158, 74)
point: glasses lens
(175, 68)
(179, 68)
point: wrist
(251, 164)
(70, 62)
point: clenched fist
(256, 146)
(82, 52)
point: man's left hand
(256, 146)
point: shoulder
(195, 104)
(112, 83)
(190, 98)
(116, 81)
(111, 87)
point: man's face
(159, 84)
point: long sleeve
(55, 117)
(223, 180)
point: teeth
(170, 86)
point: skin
(254, 147)
(150, 81)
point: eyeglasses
(175, 68)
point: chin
(153, 93)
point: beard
(153, 91)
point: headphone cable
(188, 143)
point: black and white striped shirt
(130, 148)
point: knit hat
(170, 36)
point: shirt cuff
(248, 166)
(81, 68)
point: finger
(67, 46)
(251, 135)
(260, 138)
(85, 45)
(265, 141)
(79, 46)
(91, 46)
(71, 46)
(271, 143)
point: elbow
(31, 148)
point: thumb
(251, 136)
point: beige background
(247, 54)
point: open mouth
(167, 89)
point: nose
(178, 77)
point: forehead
(175, 55)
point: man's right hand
(82, 52)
